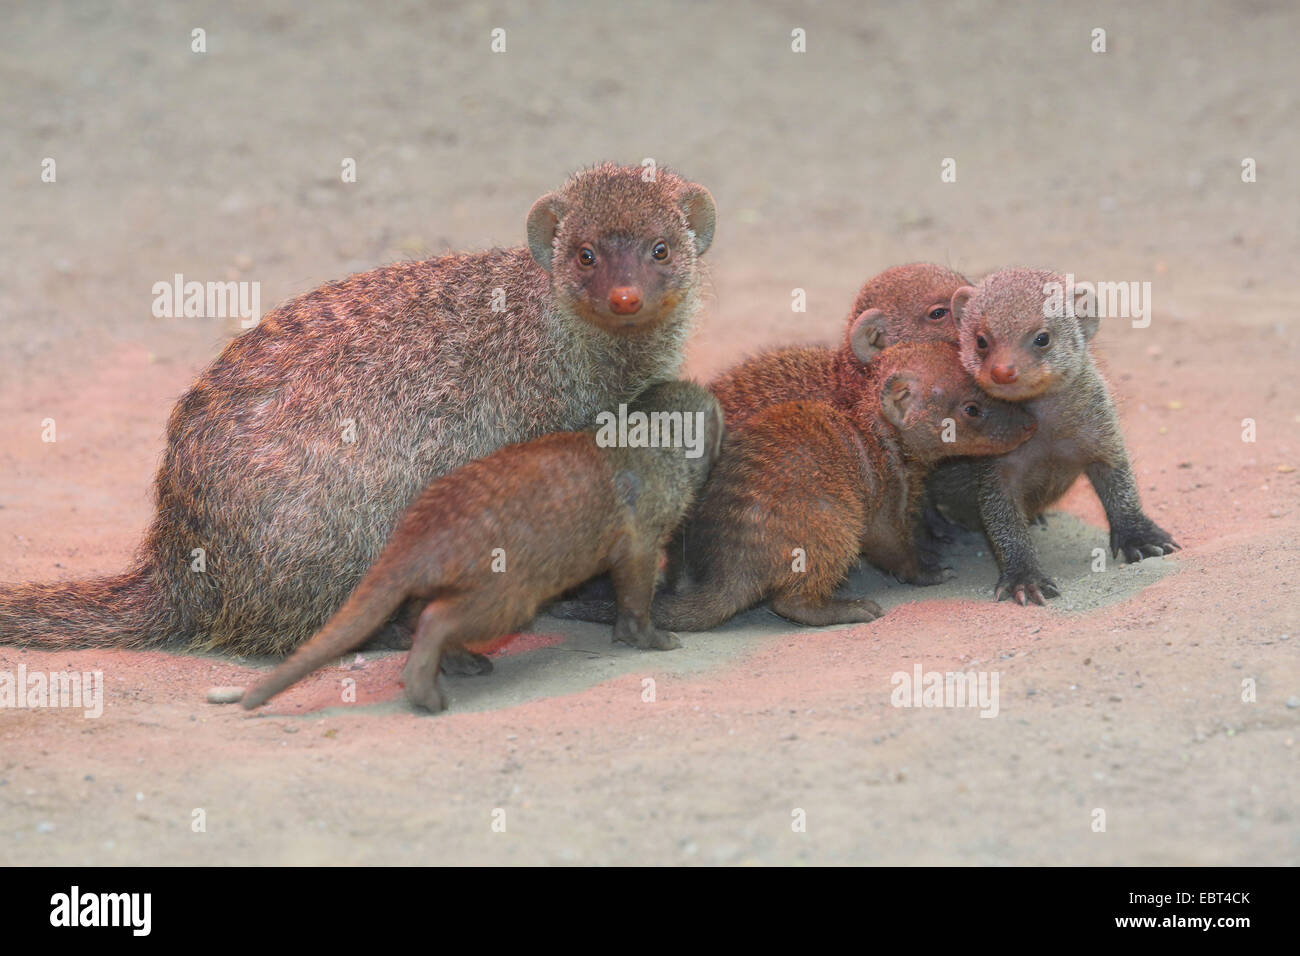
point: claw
(1026, 589)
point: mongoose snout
(1004, 374)
(625, 300)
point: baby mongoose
(1024, 344)
(803, 487)
(904, 304)
(483, 546)
(291, 457)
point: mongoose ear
(543, 220)
(867, 337)
(959, 300)
(896, 397)
(701, 214)
(1085, 311)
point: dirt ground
(1125, 695)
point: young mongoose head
(910, 303)
(1019, 338)
(622, 251)
(922, 390)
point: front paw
(1025, 586)
(928, 576)
(1142, 539)
(644, 636)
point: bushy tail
(125, 610)
(694, 608)
(370, 605)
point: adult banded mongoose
(903, 304)
(802, 488)
(1024, 343)
(483, 546)
(290, 458)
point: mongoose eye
(972, 410)
(981, 343)
(938, 313)
(1042, 339)
(660, 250)
(587, 256)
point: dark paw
(463, 663)
(646, 637)
(1024, 587)
(1145, 540)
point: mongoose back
(1024, 344)
(291, 456)
(483, 546)
(803, 487)
(903, 304)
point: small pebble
(225, 695)
(45, 828)
(1293, 702)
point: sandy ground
(1125, 695)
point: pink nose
(625, 300)
(1004, 374)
